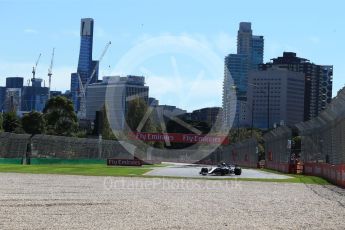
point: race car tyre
(238, 171)
(204, 171)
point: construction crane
(83, 87)
(50, 73)
(35, 67)
(97, 65)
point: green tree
(238, 135)
(60, 117)
(10, 122)
(102, 126)
(33, 123)
(135, 116)
(1, 121)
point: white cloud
(73, 33)
(30, 31)
(222, 43)
(175, 87)
(143, 37)
(225, 43)
(185, 92)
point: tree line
(57, 118)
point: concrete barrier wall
(333, 173)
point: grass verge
(77, 169)
(124, 171)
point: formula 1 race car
(222, 170)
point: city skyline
(129, 27)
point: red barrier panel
(333, 173)
(281, 167)
(181, 138)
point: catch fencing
(244, 153)
(13, 145)
(277, 149)
(60, 149)
(47, 148)
(323, 142)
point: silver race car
(222, 170)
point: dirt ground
(81, 202)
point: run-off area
(29, 201)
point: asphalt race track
(187, 170)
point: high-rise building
(153, 101)
(275, 96)
(250, 52)
(169, 110)
(318, 81)
(238, 66)
(14, 82)
(209, 115)
(85, 63)
(16, 97)
(75, 91)
(2, 97)
(54, 93)
(257, 51)
(13, 93)
(13, 100)
(245, 39)
(115, 92)
(34, 98)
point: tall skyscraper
(210, 115)
(34, 97)
(318, 81)
(17, 97)
(115, 92)
(245, 39)
(85, 63)
(257, 51)
(274, 96)
(14, 82)
(12, 93)
(250, 52)
(13, 100)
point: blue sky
(177, 45)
